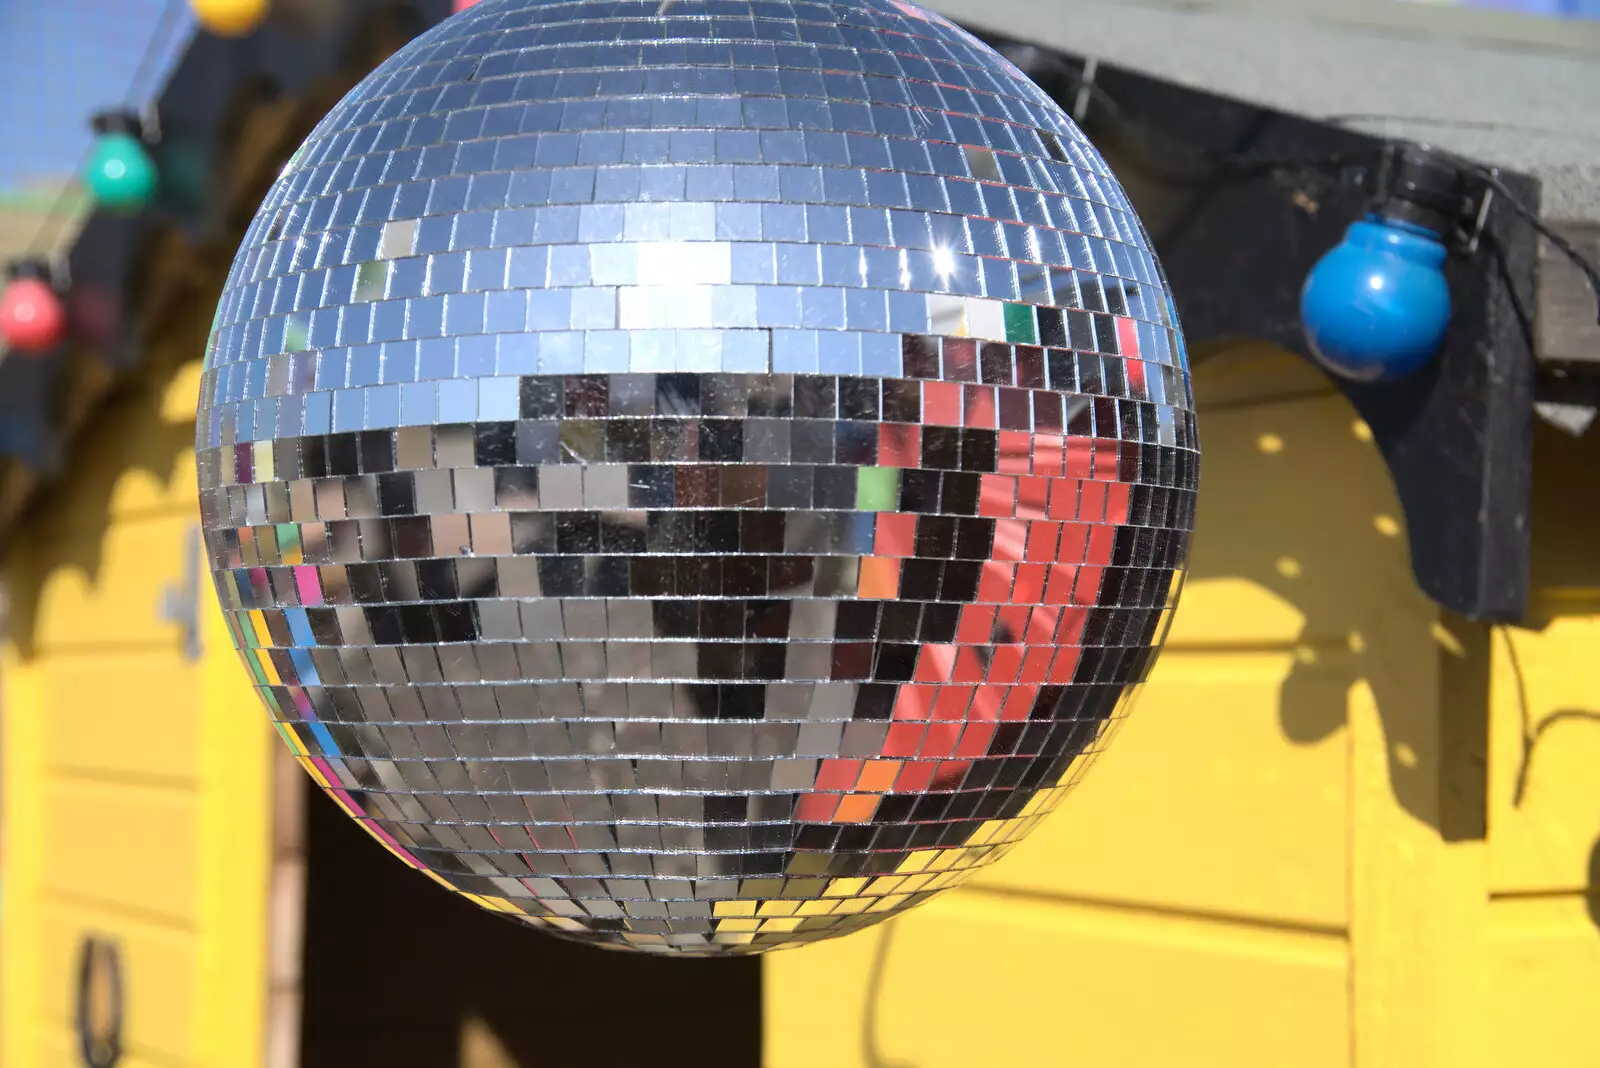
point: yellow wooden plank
(100, 591)
(133, 848)
(1544, 961)
(137, 799)
(1418, 897)
(158, 977)
(23, 869)
(121, 714)
(1202, 802)
(969, 982)
(1300, 545)
(1545, 747)
(235, 833)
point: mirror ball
(696, 476)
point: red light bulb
(32, 319)
(462, 5)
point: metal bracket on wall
(180, 601)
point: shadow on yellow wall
(1439, 764)
(1332, 801)
(122, 468)
(1439, 778)
(1275, 534)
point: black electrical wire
(165, 24)
(1560, 243)
(1153, 151)
(45, 237)
(1219, 165)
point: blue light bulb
(1377, 304)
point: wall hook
(180, 601)
(99, 1002)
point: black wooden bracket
(1237, 240)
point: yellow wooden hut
(1341, 828)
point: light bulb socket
(1424, 187)
(115, 122)
(31, 268)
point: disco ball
(696, 475)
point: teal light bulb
(121, 174)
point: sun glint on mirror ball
(696, 475)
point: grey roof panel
(1507, 89)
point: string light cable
(48, 233)
(1174, 161)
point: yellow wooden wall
(1341, 828)
(1308, 845)
(136, 781)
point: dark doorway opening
(400, 973)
